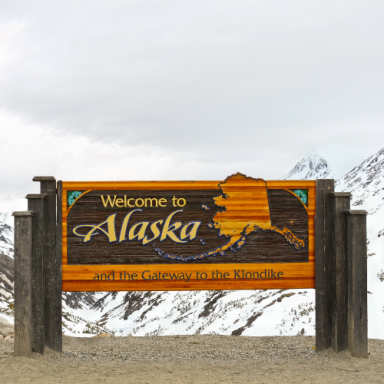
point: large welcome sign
(240, 233)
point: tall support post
(52, 267)
(357, 282)
(341, 201)
(36, 204)
(58, 292)
(23, 283)
(323, 264)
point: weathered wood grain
(340, 203)
(324, 269)
(173, 185)
(357, 282)
(299, 275)
(36, 205)
(23, 283)
(58, 303)
(92, 286)
(262, 240)
(264, 246)
(52, 267)
(56, 330)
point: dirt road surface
(191, 359)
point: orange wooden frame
(80, 277)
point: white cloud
(186, 90)
(29, 150)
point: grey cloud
(224, 80)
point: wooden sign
(241, 233)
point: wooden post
(340, 202)
(52, 267)
(23, 283)
(323, 264)
(36, 204)
(59, 222)
(58, 332)
(357, 282)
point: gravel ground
(191, 359)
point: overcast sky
(141, 90)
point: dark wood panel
(286, 211)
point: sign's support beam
(23, 283)
(52, 267)
(36, 204)
(58, 293)
(341, 202)
(323, 264)
(357, 282)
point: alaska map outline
(255, 217)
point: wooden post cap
(356, 212)
(36, 196)
(340, 194)
(43, 178)
(23, 213)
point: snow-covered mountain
(366, 182)
(74, 303)
(252, 312)
(6, 235)
(311, 167)
(255, 312)
(6, 268)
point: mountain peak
(369, 171)
(365, 181)
(311, 167)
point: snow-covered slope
(6, 268)
(6, 235)
(311, 167)
(366, 182)
(74, 303)
(253, 312)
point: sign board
(240, 233)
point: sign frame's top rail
(214, 184)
